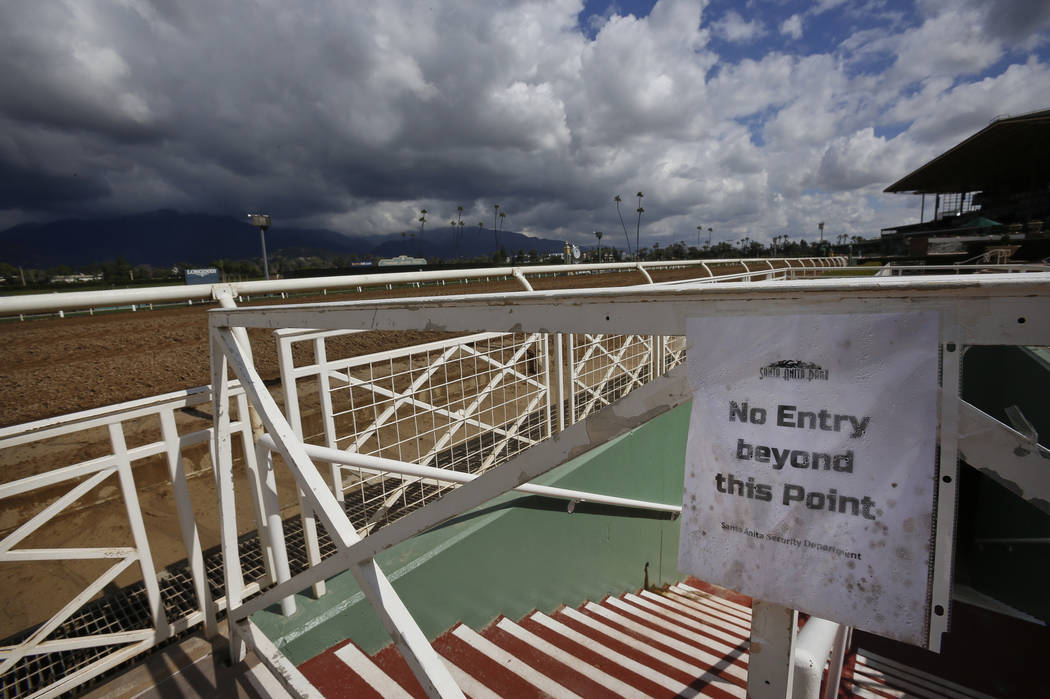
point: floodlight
(262, 222)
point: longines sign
(810, 473)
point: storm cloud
(356, 115)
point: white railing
(139, 437)
(988, 309)
(464, 404)
(64, 302)
(894, 269)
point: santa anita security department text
(793, 417)
(792, 541)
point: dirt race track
(57, 366)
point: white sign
(204, 275)
(810, 468)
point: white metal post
(771, 667)
(648, 279)
(138, 530)
(187, 521)
(291, 407)
(265, 537)
(520, 276)
(222, 464)
(274, 526)
(545, 344)
(559, 362)
(838, 656)
(571, 340)
(327, 419)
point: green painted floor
(517, 553)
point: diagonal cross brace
(426, 665)
(469, 411)
(616, 362)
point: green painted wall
(518, 553)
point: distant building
(401, 260)
(992, 187)
(76, 278)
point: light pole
(598, 235)
(262, 222)
(699, 230)
(709, 233)
(821, 227)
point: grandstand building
(991, 189)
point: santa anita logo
(793, 370)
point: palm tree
(598, 235)
(495, 235)
(641, 211)
(459, 212)
(617, 199)
(502, 216)
(422, 222)
(699, 230)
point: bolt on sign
(811, 464)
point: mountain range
(165, 238)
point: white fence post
(187, 521)
(771, 667)
(559, 363)
(138, 529)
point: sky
(750, 117)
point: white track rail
(62, 302)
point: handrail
(381, 465)
(69, 300)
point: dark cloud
(1014, 20)
(356, 116)
(31, 188)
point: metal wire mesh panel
(464, 404)
(605, 368)
(674, 351)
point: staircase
(682, 641)
(686, 640)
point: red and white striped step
(682, 641)
(874, 676)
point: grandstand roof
(1011, 153)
